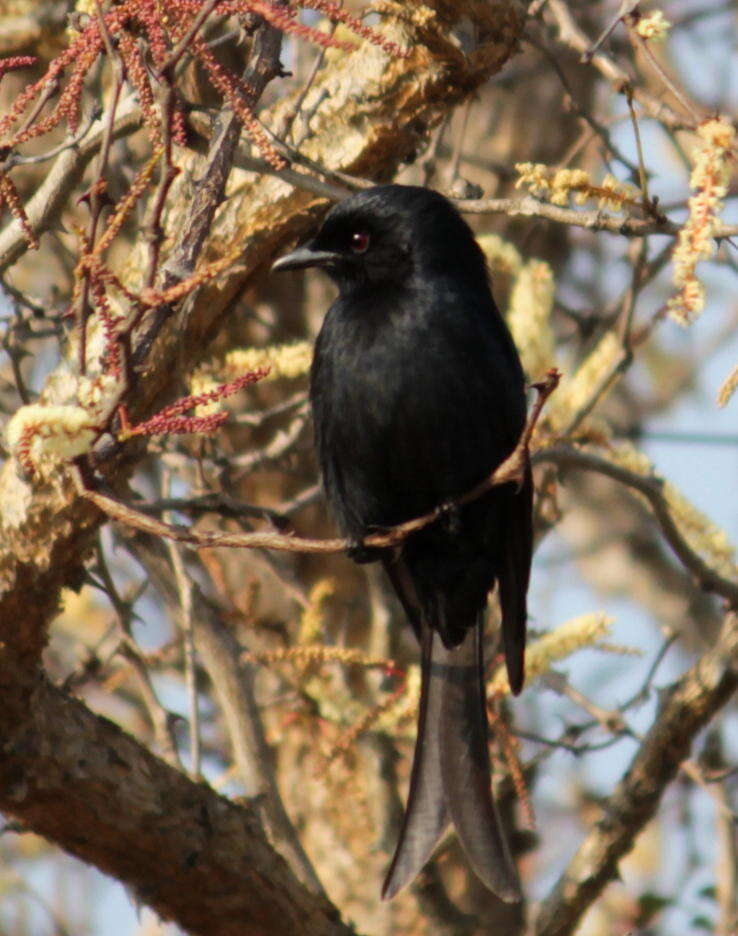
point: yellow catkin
(575, 392)
(653, 26)
(533, 176)
(702, 535)
(566, 182)
(312, 620)
(42, 437)
(559, 185)
(709, 180)
(402, 712)
(588, 630)
(502, 256)
(728, 388)
(529, 317)
(288, 360)
(317, 653)
(202, 382)
(83, 8)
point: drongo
(418, 395)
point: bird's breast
(404, 410)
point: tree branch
(652, 488)
(232, 682)
(192, 855)
(687, 707)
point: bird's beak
(303, 257)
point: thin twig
(652, 487)
(184, 591)
(178, 51)
(572, 36)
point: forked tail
(450, 779)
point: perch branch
(510, 471)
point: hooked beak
(304, 257)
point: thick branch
(689, 706)
(190, 854)
(232, 683)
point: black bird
(418, 394)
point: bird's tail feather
(450, 779)
(425, 818)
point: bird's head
(383, 236)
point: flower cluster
(9, 195)
(317, 653)
(41, 437)
(163, 26)
(709, 180)
(576, 391)
(148, 39)
(559, 185)
(529, 317)
(312, 620)
(653, 26)
(14, 62)
(704, 536)
(589, 630)
(288, 360)
(728, 387)
(502, 256)
(171, 420)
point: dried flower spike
(709, 179)
(728, 388)
(558, 185)
(170, 420)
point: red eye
(359, 242)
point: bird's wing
(513, 575)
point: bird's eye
(359, 242)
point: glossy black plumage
(417, 395)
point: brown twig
(572, 36)
(652, 487)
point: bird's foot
(449, 515)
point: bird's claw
(450, 516)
